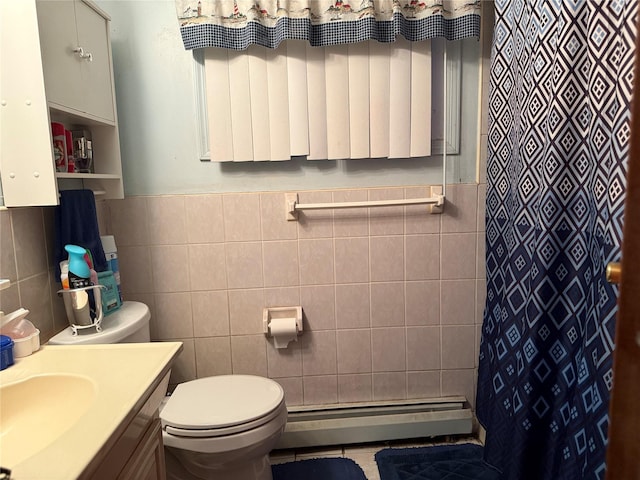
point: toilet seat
(221, 405)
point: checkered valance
(236, 24)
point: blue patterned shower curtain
(561, 81)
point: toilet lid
(221, 401)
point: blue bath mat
(319, 469)
(450, 462)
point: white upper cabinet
(76, 57)
(55, 66)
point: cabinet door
(147, 462)
(93, 37)
(61, 66)
(74, 81)
(26, 158)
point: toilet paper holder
(278, 322)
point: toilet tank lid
(130, 317)
(221, 401)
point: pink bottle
(59, 147)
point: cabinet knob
(86, 56)
(36, 174)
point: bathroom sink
(65, 408)
(36, 411)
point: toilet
(223, 427)
(220, 427)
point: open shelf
(94, 176)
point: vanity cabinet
(55, 66)
(147, 462)
(136, 452)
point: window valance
(236, 24)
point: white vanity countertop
(122, 378)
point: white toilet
(220, 427)
(223, 427)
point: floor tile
(367, 462)
(328, 452)
(282, 456)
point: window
(255, 118)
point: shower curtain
(561, 81)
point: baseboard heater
(315, 426)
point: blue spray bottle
(80, 276)
(79, 272)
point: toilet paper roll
(283, 330)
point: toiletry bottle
(69, 144)
(59, 146)
(111, 254)
(79, 272)
(64, 274)
(79, 277)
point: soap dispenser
(79, 272)
(81, 304)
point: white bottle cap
(108, 243)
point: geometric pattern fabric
(559, 132)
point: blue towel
(76, 223)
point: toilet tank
(128, 324)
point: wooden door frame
(623, 451)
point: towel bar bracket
(437, 193)
(291, 200)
